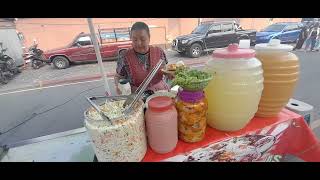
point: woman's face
(140, 41)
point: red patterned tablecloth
(263, 139)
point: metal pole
(98, 54)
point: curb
(31, 86)
(73, 79)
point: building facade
(56, 32)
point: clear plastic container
(281, 73)
(235, 90)
(122, 141)
(124, 87)
(192, 115)
(162, 126)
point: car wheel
(61, 62)
(195, 50)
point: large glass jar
(235, 90)
(161, 122)
(192, 115)
(281, 73)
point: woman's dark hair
(140, 26)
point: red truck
(111, 41)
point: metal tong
(96, 107)
(133, 98)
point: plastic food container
(161, 121)
(235, 91)
(122, 141)
(192, 115)
(281, 73)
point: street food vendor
(135, 63)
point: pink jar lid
(233, 52)
(160, 103)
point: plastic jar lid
(233, 52)
(160, 103)
(191, 96)
(124, 81)
(273, 45)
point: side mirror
(78, 44)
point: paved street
(45, 111)
(60, 108)
(308, 88)
(31, 76)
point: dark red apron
(138, 73)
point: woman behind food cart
(135, 63)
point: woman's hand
(170, 76)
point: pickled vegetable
(192, 119)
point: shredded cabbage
(113, 110)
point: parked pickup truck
(111, 41)
(210, 35)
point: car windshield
(202, 29)
(107, 35)
(275, 28)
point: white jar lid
(273, 45)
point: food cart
(267, 141)
(262, 140)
